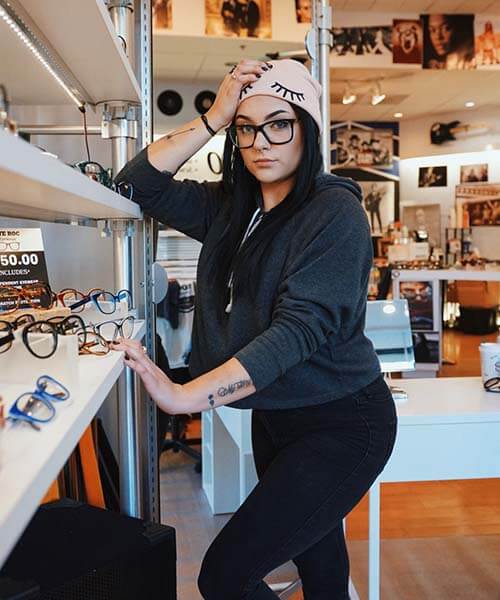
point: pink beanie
(289, 80)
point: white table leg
(374, 542)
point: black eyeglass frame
(232, 132)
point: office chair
(175, 424)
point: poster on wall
(424, 218)
(487, 32)
(303, 11)
(362, 148)
(379, 202)
(432, 177)
(448, 41)
(407, 41)
(473, 173)
(162, 14)
(478, 204)
(365, 46)
(238, 18)
(419, 296)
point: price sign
(22, 258)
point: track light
(349, 96)
(377, 95)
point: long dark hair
(242, 188)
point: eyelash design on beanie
(245, 89)
(281, 89)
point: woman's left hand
(167, 394)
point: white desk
(448, 429)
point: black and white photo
(360, 41)
(364, 148)
(379, 203)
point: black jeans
(314, 465)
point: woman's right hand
(223, 109)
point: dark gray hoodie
(302, 341)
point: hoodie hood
(325, 180)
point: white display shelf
(34, 185)
(445, 274)
(83, 36)
(30, 460)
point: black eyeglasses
(279, 131)
(111, 330)
(42, 347)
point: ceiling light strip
(30, 41)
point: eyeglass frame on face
(233, 129)
(16, 414)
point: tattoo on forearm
(211, 400)
(233, 387)
(174, 133)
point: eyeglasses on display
(492, 385)
(35, 295)
(94, 344)
(51, 328)
(37, 407)
(69, 296)
(104, 301)
(278, 131)
(111, 330)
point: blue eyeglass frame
(15, 414)
(93, 298)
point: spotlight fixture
(377, 95)
(398, 115)
(470, 104)
(349, 96)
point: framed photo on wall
(379, 203)
(364, 148)
(478, 204)
(426, 217)
(238, 18)
(432, 177)
(474, 173)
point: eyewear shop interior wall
(103, 496)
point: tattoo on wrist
(174, 133)
(233, 387)
(211, 400)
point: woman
(278, 327)
(448, 42)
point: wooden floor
(452, 525)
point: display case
(95, 55)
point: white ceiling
(412, 91)
(420, 6)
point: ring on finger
(144, 349)
(234, 76)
